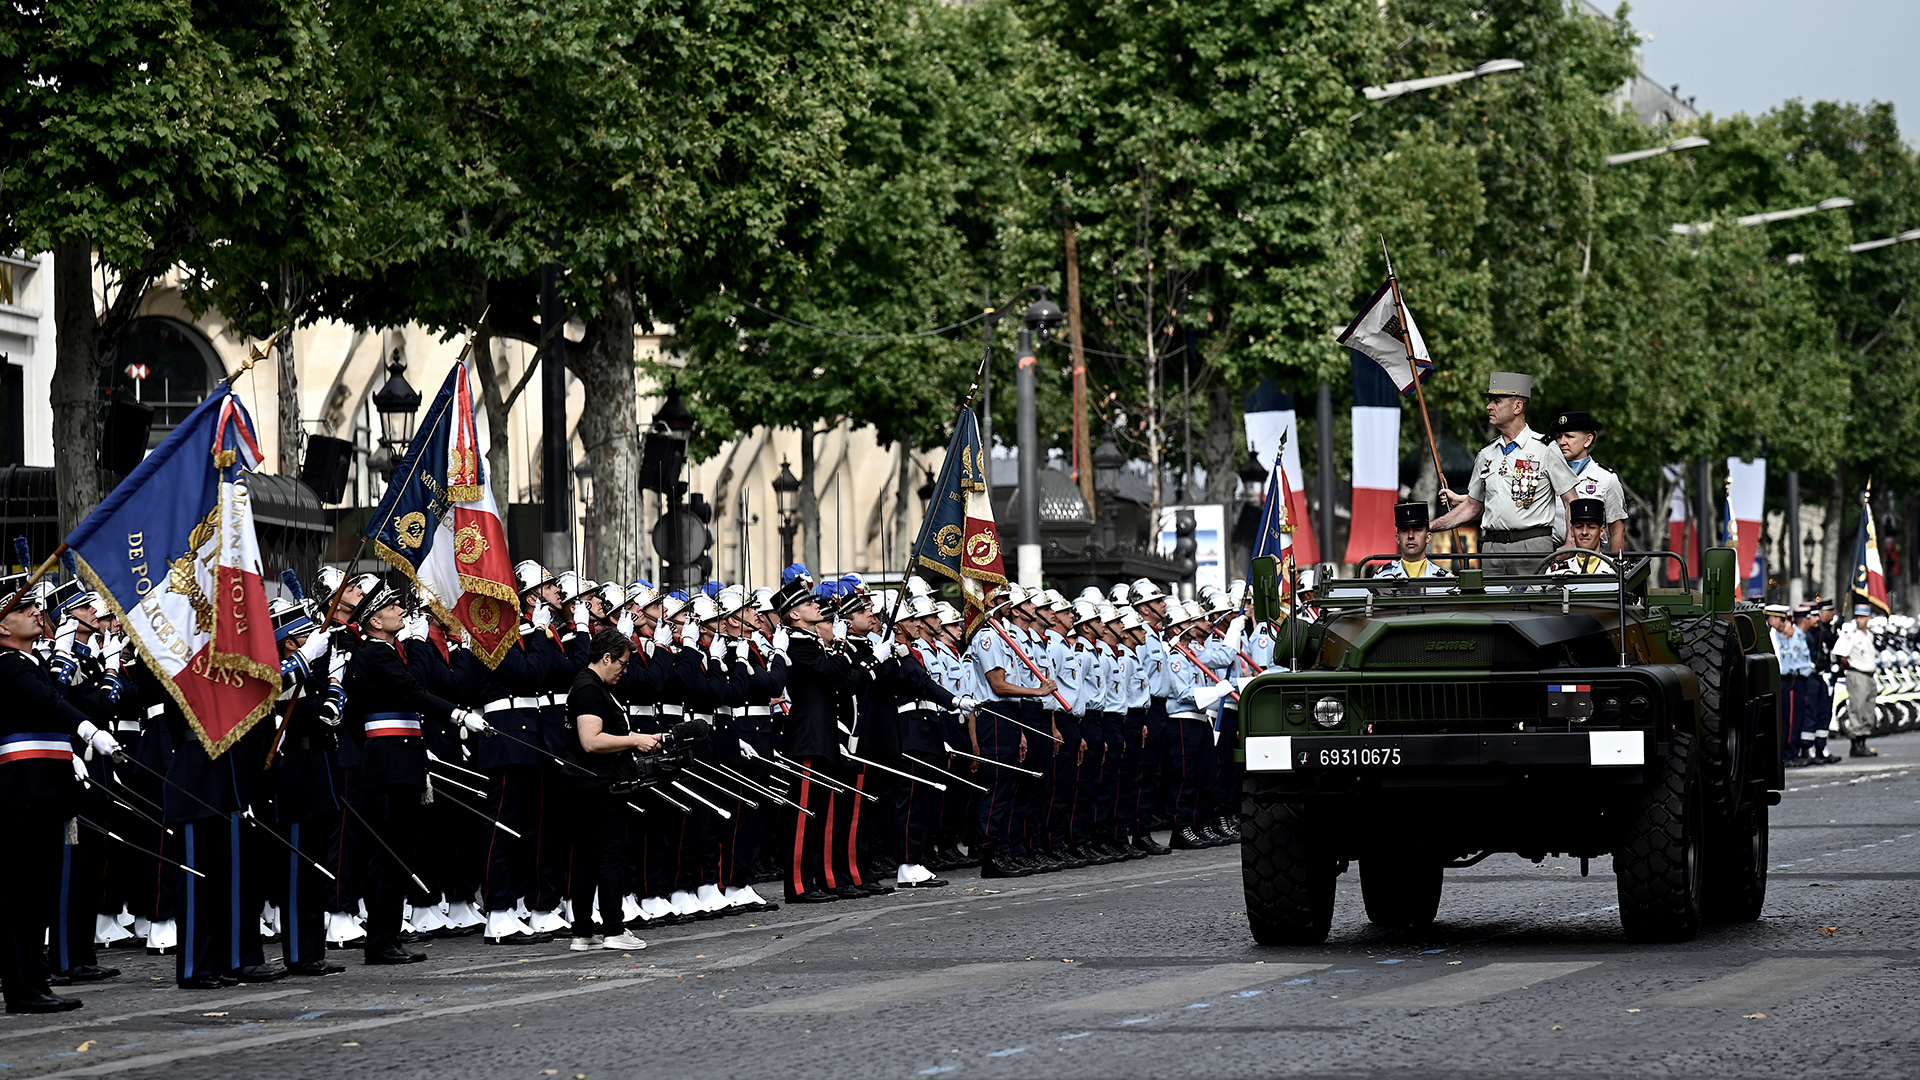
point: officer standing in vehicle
(1575, 431)
(1516, 479)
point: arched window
(178, 365)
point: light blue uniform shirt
(1795, 657)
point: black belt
(1515, 536)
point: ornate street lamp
(786, 492)
(396, 402)
(1108, 463)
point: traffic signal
(1185, 545)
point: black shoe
(1073, 858)
(876, 888)
(394, 954)
(1861, 749)
(1123, 850)
(411, 937)
(202, 982)
(315, 967)
(260, 973)
(1004, 866)
(848, 892)
(1186, 838)
(91, 973)
(930, 883)
(1211, 835)
(43, 1002)
(820, 896)
(1229, 828)
(1145, 842)
(59, 979)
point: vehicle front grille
(1446, 706)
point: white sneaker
(548, 922)
(709, 897)
(623, 942)
(164, 934)
(342, 928)
(684, 903)
(581, 944)
(107, 930)
(502, 926)
(654, 907)
(630, 909)
(463, 915)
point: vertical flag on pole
(1746, 507)
(1869, 577)
(173, 551)
(439, 526)
(1376, 460)
(958, 539)
(1271, 421)
(1276, 535)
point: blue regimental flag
(958, 540)
(1275, 538)
(172, 551)
(438, 525)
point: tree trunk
(492, 395)
(75, 389)
(809, 504)
(290, 429)
(906, 524)
(1839, 556)
(604, 366)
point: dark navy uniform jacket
(305, 776)
(820, 685)
(386, 706)
(36, 725)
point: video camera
(665, 763)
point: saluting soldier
(1516, 479)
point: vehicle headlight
(1329, 712)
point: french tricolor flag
(1376, 459)
(1270, 417)
(1569, 688)
(1746, 506)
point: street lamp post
(1108, 462)
(1043, 317)
(1701, 228)
(1688, 142)
(786, 490)
(1395, 89)
(1866, 245)
(396, 401)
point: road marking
(194, 1006)
(1176, 990)
(1469, 986)
(1768, 982)
(158, 1060)
(846, 999)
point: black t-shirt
(589, 696)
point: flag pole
(946, 468)
(1413, 365)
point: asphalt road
(1138, 969)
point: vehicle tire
(1658, 865)
(1400, 892)
(1289, 882)
(1716, 658)
(1736, 885)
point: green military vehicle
(1426, 725)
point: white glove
(316, 646)
(337, 669)
(780, 639)
(582, 621)
(416, 628)
(80, 771)
(542, 616)
(625, 625)
(746, 749)
(112, 651)
(1234, 629)
(1206, 697)
(740, 650)
(663, 633)
(717, 649)
(690, 633)
(457, 637)
(63, 637)
(471, 720)
(966, 704)
(900, 651)
(104, 743)
(839, 630)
